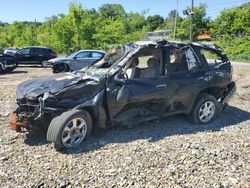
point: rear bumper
(230, 90)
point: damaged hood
(49, 84)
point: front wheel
(69, 129)
(60, 68)
(205, 110)
(8, 70)
(1, 69)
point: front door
(23, 56)
(144, 94)
(81, 60)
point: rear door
(186, 78)
(36, 55)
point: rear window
(49, 51)
(36, 50)
(96, 55)
(211, 57)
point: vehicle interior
(145, 64)
(182, 60)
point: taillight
(53, 55)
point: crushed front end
(32, 111)
(41, 99)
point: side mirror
(119, 78)
(75, 57)
(119, 81)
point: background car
(34, 55)
(7, 63)
(75, 61)
(11, 50)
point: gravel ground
(170, 153)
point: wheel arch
(215, 91)
(97, 114)
(60, 64)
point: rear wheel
(69, 129)
(44, 64)
(205, 110)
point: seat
(153, 69)
(133, 71)
(179, 64)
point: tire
(65, 134)
(205, 109)
(1, 69)
(44, 64)
(60, 68)
(8, 70)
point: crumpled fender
(96, 108)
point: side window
(182, 61)
(211, 57)
(82, 55)
(96, 55)
(36, 51)
(25, 51)
(146, 64)
(46, 51)
(192, 62)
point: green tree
(112, 11)
(200, 23)
(155, 22)
(235, 21)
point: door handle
(161, 86)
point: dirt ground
(169, 153)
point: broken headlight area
(19, 124)
(28, 111)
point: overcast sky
(29, 10)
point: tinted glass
(96, 55)
(36, 51)
(82, 55)
(24, 51)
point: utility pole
(35, 33)
(191, 21)
(175, 19)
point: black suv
(136, 82)
(7, 63)
(34, 55)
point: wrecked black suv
(136, 82)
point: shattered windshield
(110, 60)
